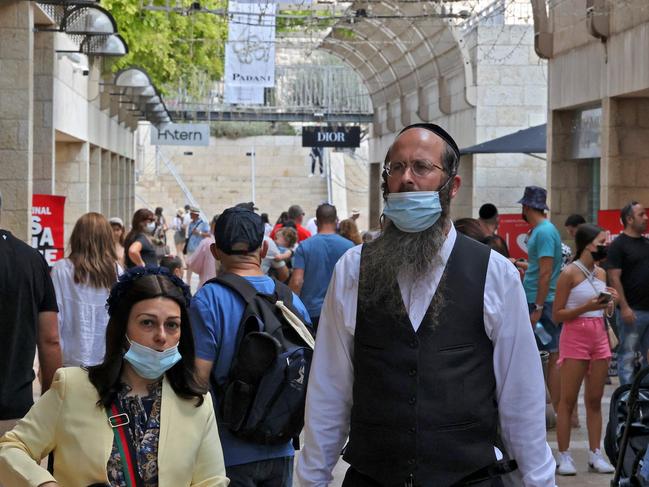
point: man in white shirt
(424, 354)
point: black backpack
(263, 398)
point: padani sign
(47, 226)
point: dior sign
(331, 136)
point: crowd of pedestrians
(427, 369)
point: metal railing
(333, 89)
(173, 170)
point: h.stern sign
(181, 134)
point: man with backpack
(254, 349)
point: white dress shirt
(520, 389)
(82, 317)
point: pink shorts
(584, 339)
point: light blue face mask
(149, 363)
(413, 212)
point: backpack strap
(238, 284)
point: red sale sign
(47, 226)
(514, 230)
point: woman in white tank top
(581, 300)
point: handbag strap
(590, 276)
(118, 421)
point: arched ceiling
(399, 47)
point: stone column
(16, 115)
(106, 185)
(122, 187)
(570, 179)
(625, 151)
(72, 180)
(95, 183)
(114, 185)
(44, 167)
(130, 185)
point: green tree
(178, 51)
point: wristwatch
(538, 307)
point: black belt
(494, 470)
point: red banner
(47, 226)
(514, 230)
(610, 221)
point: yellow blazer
(66, 420)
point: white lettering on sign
(181, 134)
(41, 210)
(331, 137)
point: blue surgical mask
(413, 212)
(149, 363)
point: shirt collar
(448, 245)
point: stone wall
(625, 175)
(512, 95)
(219, 176)
(16, 115)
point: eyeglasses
(420, 168)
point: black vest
(424, 404)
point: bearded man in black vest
(425, 356)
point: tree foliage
(178, 51)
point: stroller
(627, 432)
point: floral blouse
(144, 415)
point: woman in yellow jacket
(138, 419)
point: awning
(527, 141)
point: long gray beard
(395, 252)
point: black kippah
(436, 129)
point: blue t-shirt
(545, 241)
(195, 240)
(318, 256)
(215, 314)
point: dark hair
(488, 211)
(264, 217)
(325, 213)
(497, 243)
(627, 212)
(134, 286)
(471, 228)
(289, 224)
(139, 218)
(295, 212)
(586, 233)
(283, 217)
(574, 220)
(158, 211)
(171, 262)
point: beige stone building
(598, 103)
(479, 78)
(60, 133)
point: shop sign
(586, 134)
(193, 134)
(331, 136)
(47, 226)
(514, 230)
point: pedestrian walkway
(578, 446)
